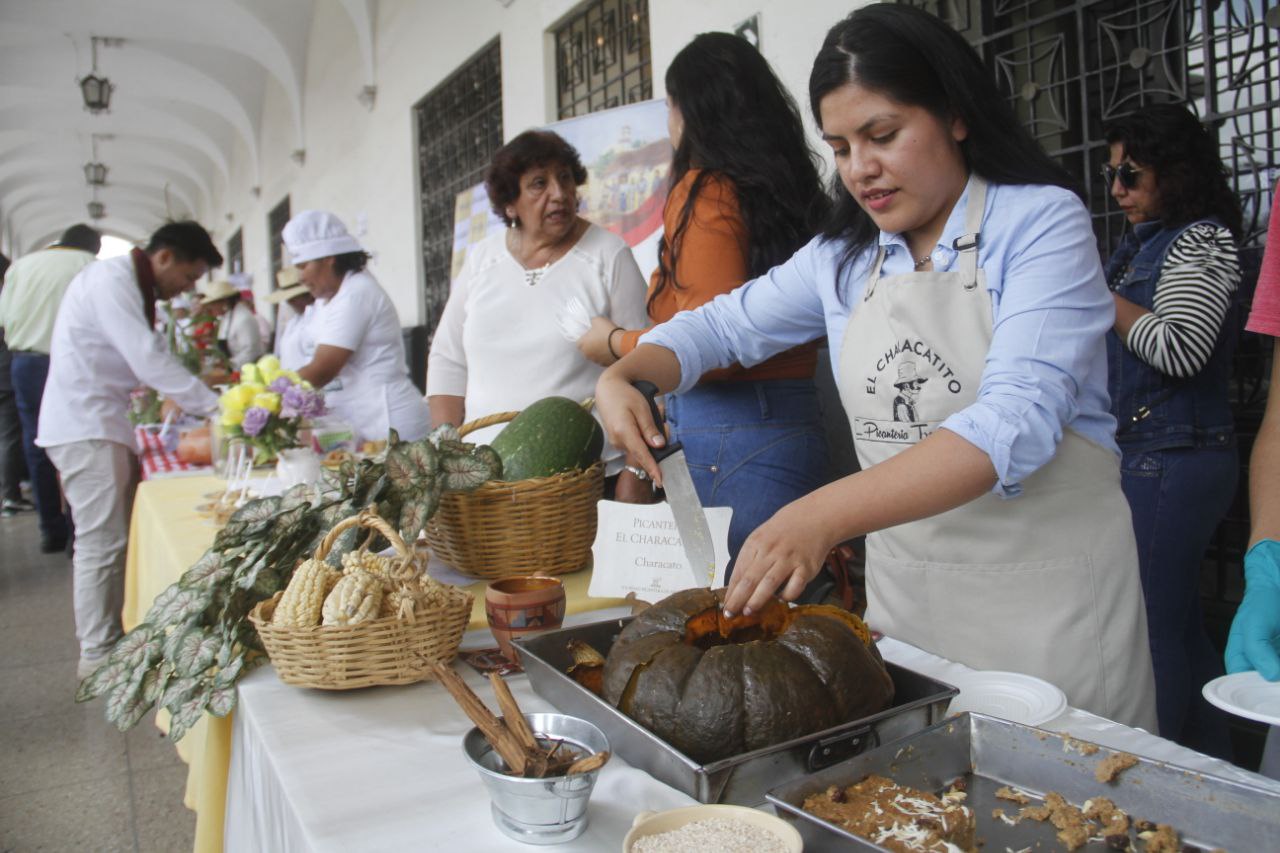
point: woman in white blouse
(499, 346)
(359, 356)
(238, 331)
(293, 344)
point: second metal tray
(1208, 811)
(919, 701)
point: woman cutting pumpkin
(955, 267)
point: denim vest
(1155, 411)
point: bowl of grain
(727, 829)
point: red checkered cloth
(158, 462)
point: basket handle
(365, 518)
(504, 417)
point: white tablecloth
(383, 769)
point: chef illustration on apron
(1045, 583)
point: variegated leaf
(258, 509)
(222, 700)
(137, 648)
(106, 677)
(300, 495)
(126, 704)
(178, 604)
(188, 712)
(154, 682)
(176, 691)
(196, 651)
(266, 583)
(227, 675)
(209, 569)
(463, 472)
(489, 457)
(444, 432)
(415, 513)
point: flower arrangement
(268, 407)
(195, 344)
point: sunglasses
(1126, 172)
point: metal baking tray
(1208, 811)
(919, 701)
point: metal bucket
(539, 811)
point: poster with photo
(627, 155)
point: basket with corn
(380, 620)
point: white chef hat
(317, 234)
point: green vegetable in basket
(551, 436)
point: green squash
(551, 436)
(715, 687)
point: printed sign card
(638, 549)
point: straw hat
(219, 290)
(275, 297)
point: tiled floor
(69, 780)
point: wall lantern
(97, 210)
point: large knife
(686, 508)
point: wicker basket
(508, 529)
(387, 650)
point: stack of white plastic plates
(1008, 695)
(1246, 694)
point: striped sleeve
(1200, 275)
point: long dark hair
(741, 124)
(1171, 141)
(912, 57)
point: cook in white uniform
(238, 331)
(359, 356)
(294, 344)
(104, 346)
(957, 263)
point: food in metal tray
(715, 687)
(897, 817)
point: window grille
(235, 252)
(276, 220)
(459, 126)
(602, 57)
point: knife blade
(686, 507)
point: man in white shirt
(29, 304)
(104, 346)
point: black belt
(27, 352)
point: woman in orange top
(744, 190)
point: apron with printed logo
(1045, 583)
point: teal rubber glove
(1254, 641)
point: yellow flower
(267, 400)
(249, 373)
(242, 395)
(292, 376)
(269, 362)
(232, 417)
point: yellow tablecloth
(166, 536)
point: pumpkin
(715, 687)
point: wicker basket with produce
(541, 515)
(380, 620)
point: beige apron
(1045, 583)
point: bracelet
(609, 342)
(640, 473)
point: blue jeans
(752, 446)
(1178, 496)
(29, 372)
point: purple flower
(281, 385)
(299, 402)
(255, 419)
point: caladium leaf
(412, 465)
(178, 604)
(106, 677)
(415, 514)
(188, 711)
(393, 437)
(195, 651)
(232, 670)
(176, 691)
(222, 700)
(297, 496)
(448, 445)
(490, 458)
(258, 509)
(267, 583)
(126, 704)
(464, 472)
(138, 648)
(208, 570)
(444, 432)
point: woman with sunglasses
(1174, 277)
(954, 260)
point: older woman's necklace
(535, 274)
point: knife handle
(650, 392)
